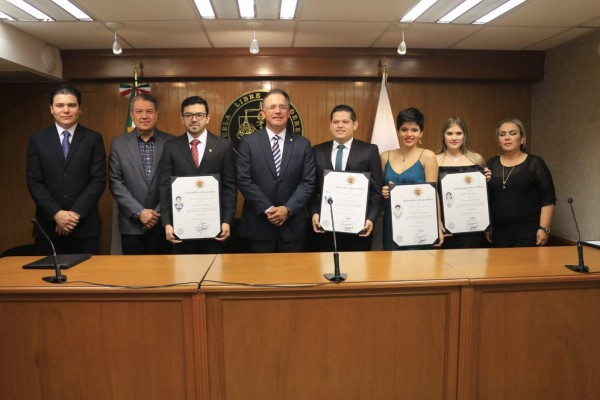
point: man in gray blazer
(133, 162)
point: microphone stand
(336, 277)
(58, 277)
(580, 267)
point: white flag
(384, 129)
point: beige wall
(566, 125)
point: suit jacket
(363, 157)
(74, 184)
(127, 179)
(218, 158)
(262, 188)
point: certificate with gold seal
(348, 192)
(196, 206)
(464, 201)
(414, 214)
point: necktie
(276, 154)
(65, 143)
(338, 157)
(195, 144)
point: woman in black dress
(455, 156)
(521, 191)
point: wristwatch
(547, 230)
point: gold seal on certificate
(414, 214)
(196, 210)
(348, 192)
(464, 201)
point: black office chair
(23, 250)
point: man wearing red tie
(198, 152)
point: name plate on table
(465, 201)
(414, 214)
(349, 191)
(196, 206)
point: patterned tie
(338, 157)
(195, 144)
(276, 154)
(65, 143)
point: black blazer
(218, 158)
(75, 184)
(363, 157)
(262, 188)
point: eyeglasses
(198, 116)
(282, 107)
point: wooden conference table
(445, 324)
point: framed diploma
(196, 206)
(464, 201)
(414, 214)
(349, 192)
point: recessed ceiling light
(509, 5)
(34, 12)
(246, 9)
(5, 17)
(72, 9)
(288, 9)
(417, 10)
(458, 11)
(205, 9)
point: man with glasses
(276, 175)
(133, 162)
(198, 152)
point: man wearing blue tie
(276, 175)
(66, 175)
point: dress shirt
(346, 152)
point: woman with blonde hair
(456, 156)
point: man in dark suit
(276, 175)
(198, 152)
(133, 180)
(66, 175)
(353, 156)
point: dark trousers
(69, 245)
(275, 246)
(151, 242)
(199, 246)
(345, 242)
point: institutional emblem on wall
(243, 117)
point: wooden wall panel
(24, 109)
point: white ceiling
(534, 25)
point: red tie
(194, 144)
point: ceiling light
(205, 9)
(458, 11)
(402, 46)
(288, 9)
(509, 5)
(246, 9)
(115, 26)
(72, 9)
(34, 12)
(254, 49)
(417, 10)
(4, 17)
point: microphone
(581, 267)
(336, 277)
(58, 277)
